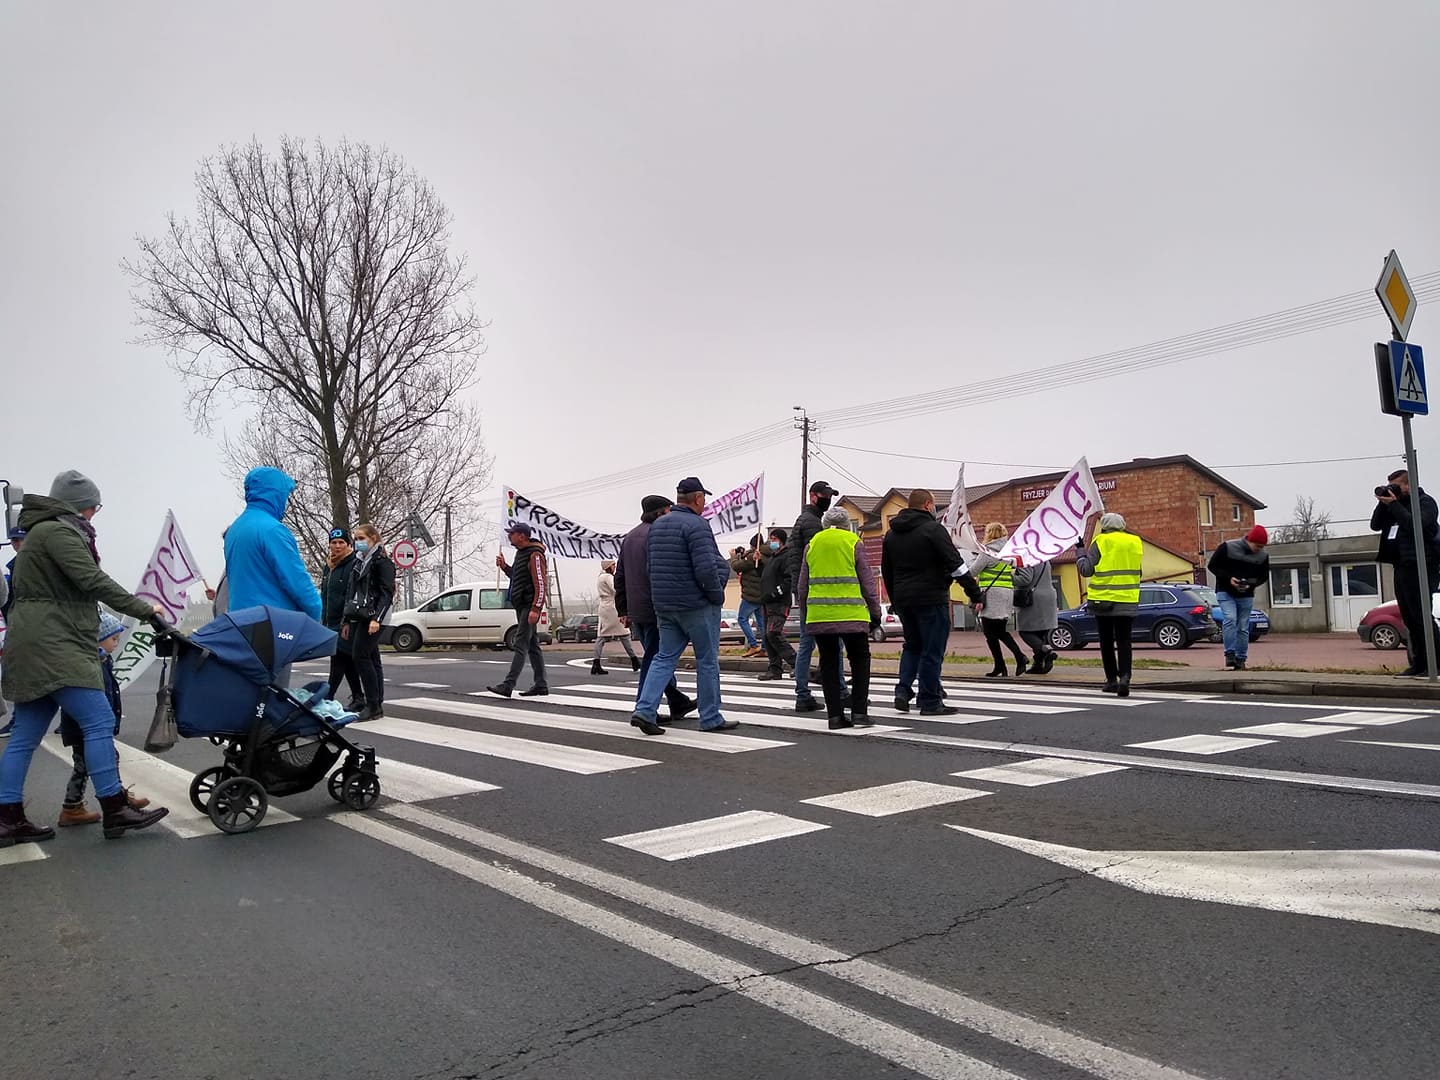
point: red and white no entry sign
(405, 554)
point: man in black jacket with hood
(918, 562)
(806, 526)
(1396, 525)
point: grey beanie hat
(834, 518)
(75, 489)
(1112, 523)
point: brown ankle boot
(137, 802)
(77, 814)
(15, 828)
(120, 816)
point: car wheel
(1254, 636)
(1385, 637)
(510, 636)
(1170, 634)
(406, 639)
(1064, 637)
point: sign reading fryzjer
(737, 511)
(561, 536)
(1059, 521)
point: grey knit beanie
(1112, 523)
(75, 489)
(835, 518)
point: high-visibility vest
(1117, 573)
(834, 587)
(999, 575)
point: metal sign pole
(1418, 524)
(410, 570)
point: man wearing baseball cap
(687, 589)
(334, 584)
(527, 597)
(806, 526)
(1237, 566)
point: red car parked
(1382, 627)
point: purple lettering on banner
(1037, 548)
(168, 576)
(1052, 519)
(1075, 490)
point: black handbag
(1024, 596)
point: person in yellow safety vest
(996, 577)
(840, 604)
(1112, 563)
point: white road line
(860, 1029)
(1038, 771)
(167, 785)
(1054, 1043)
(591, 725)
(1291, 731)
(1262, 703)
(1365, 718)
(415, 783)
(887, 799)
(784, 691)
(1179, 765)
(1200, 744)
(546, 755)
(19, 853)
(814, 722)
(704, 837)
(427, 685)
(785, 704)
(1400, 745)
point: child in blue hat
(74, 810)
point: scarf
(86, 531)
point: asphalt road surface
(1053, 884)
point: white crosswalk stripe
(760, 701)
(675, 842)
(21, 853)
(427, 685)
(1200, 744)
(403, 782)
(1306, 730)
(963, 697)
(547, 755)
(898, 798)
(1038, 771)
(795, 723)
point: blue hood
(268, 489)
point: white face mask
(362, 546)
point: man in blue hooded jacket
(262, 559)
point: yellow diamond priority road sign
(1396, 296)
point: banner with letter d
(1059, 521)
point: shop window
(1207, 510)
(1290, 587)
(1235, 512)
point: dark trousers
(1038, 640)
(832, 673)
(927, 633)
(997, 633)
(527, 647)
(648, 634)
(361, 646)
(1411, 602)
(1115, 645)
(342, 668)
(777, 650)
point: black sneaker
(806, 704)
(837, 722)
(682, 711)
(724, 725)
(770, 676)
(939, 710)
(902, 706)
(536, 691)
(1229, 661)
(1110, 688)
(499, 688)
(649, 727)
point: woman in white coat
(610, 628)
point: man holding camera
(1396, 525)
(1237, 567)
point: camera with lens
(1388, 489)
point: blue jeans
(751, 611)
(91, 711)
(699, 627)
(803, 651)
(1236, 631)
(927, 633)
(649, 635)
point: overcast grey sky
(685, 218)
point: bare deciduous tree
(1307, 523)
(314, 287)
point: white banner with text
(167, 579)
(738, 511)
(1059, 521)
(562, 537)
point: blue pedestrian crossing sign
(1407, 375)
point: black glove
(1079, 545)
(874, 623)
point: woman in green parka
(50, 657)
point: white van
(473, 614)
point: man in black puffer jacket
(918, 563)
(334, 583)
(806, 526)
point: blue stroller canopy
(258, 641)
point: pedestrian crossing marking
(427, 685)
(981, 700)
(729, 699)
(590, 725)
(19, 853)
(675, 842)
(408, 783)
(898, 798)
(796, 723)
(1201, 744)
(1292, 731)
(1367, 718)
(547, 755)
(1038, 771)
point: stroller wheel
(361, 790)
(336, 784)
(238, 804)
(203, 786)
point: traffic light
(14, 495)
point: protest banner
(738, 511)
(956, 519)
(1059, 521)
(167, 579)
(562, 537)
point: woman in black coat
(367, 603)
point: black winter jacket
(918, 561)
(776, 584)
(1234, 559)
(372, 584)
(334, 584)
(803, 531)
(1395, 517)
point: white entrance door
(1354, 590)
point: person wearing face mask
(807, 525)
(262, 559)
(367, 603)
(775, 590)
(334, 585)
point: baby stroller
(226, 687)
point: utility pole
(449, 568)
(805, 424)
